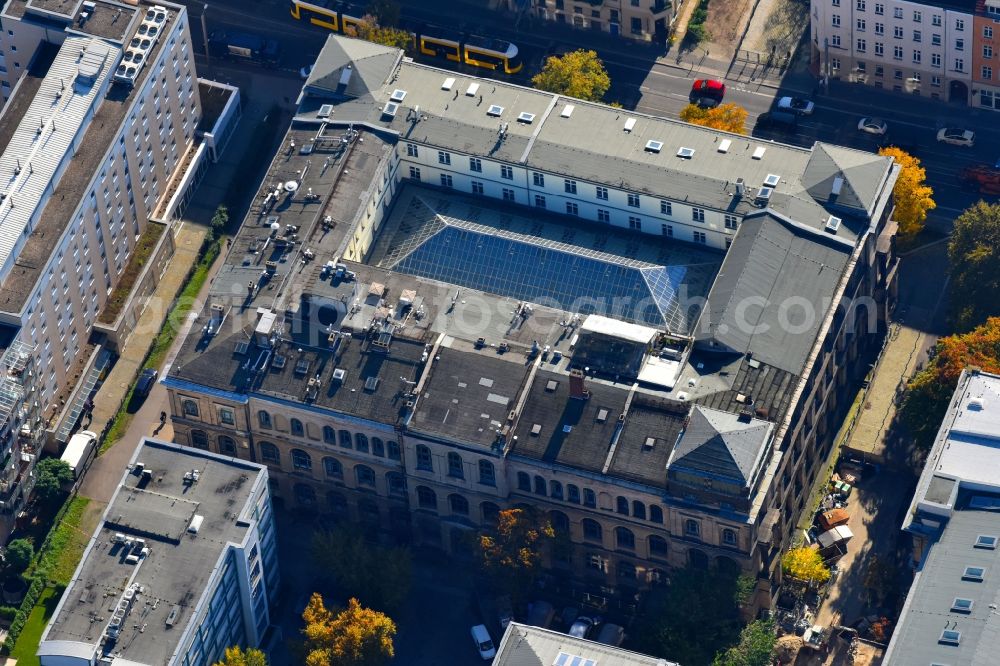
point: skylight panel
(495, 110)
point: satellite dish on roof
(291, 186)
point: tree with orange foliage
(930, 391)
(726, 117)
(912, 196)
(355, 636)
(513, 552)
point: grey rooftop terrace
(179, 563)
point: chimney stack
(577, 385)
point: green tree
(579, 74)
(929, 392)
(370, 31)
(974, 254)
(691, 618)
(805, 564)
(237, 656)
(512, 552)
(356, 636)
(756, 646)
(51, 475)
(378, 576)
(18, 555)
(220, 220)
(386, 12)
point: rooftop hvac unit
(629, 124)
(448, 83)
(472, 90)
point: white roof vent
(494, 110)
(764, 194)
(977, 404)
(325, 111)
(772, 180)
(686, 153)
(629, 124)
(525, 117)
(472, 89)
(390, 109)
(448, 83)
(397, 95)
(833, 224)
(654, 146)
(758, 152)
(567, 111)
(196, 522)
(724, 145)
(649, 444)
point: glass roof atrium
(581, 268)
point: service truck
(78, 451)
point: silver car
(875, 126)
(957, 136)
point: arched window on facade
(264, 418)
(378, 447)
(361, 442)
(298, 430)
(487, 473)
(623, 506)
(456, 469)
(658, 547)
(227, 445)
(624, 538)
(365, 476)
(539, 486)
(199, 439)
(655, 514)
(458, 504)
(329, 435)
(592, 530)
(638, 510)
(424, 459)
(345, 438)
(269, 453)
(524, 482)
(426, 498)
(555, 490)
(333, 468)
(301, 460)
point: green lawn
(67, 543)
(31, 635)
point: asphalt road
(651, 86)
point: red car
(707, 92)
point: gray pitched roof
(755, 306)
(371, 64)
(721, 444)
(524, 645)
(861, 173)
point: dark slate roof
(372, 64)
(772, 265)
(862, 174)
(721, 444)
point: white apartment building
(185, 557)
(85, 157)
(910, 47)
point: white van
(483, 642)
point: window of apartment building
(959, 44)
(426, 498)
(959, 65)
(667, 230)
(414, 173)
(540, 486)
(446, 180)
(361, 442)
(898, 75)
(555, 490)
(728, 537)
(636, 24)
(698, 214)
(190, 408)
(880, 28)
(666, 208)
(861, 47)
(346, 441)
(655, 514)
(692, 528)
(897, 12)
(301, 460)
(456, 469)
(624, 538)
(412, 150)
(487, 473)
(987, 73)
(835, 3)
(572, 208)
(538, 179)
(879, 48)
(365, 476)
(592, 530)
(917, 17)
(589, 498)
(506, 172)
(987, 51)
(508, 194)
(897, 52)
(835, 41)
(917, 36)
(539, 201)
(393, 449)
(524, 482)
(199, 439)
(959, 25)
(633, 200)
(835, 20)
(333, 468)
(572, 493)
(731, 221)
(936, 19)
(444, 158)
(569, 186)
(860, 5)
(861, 24)
(226, 416)
(602, 193)
(936, 81)
(700, 237)
(269, 453)
(475, 164)
(603, 215)
(264, 418)
(477, 187)
(227, 445)
(395, 484)
(879, 9)
(458, 504)
(424, 461)
(635, 223)
(916, 57)
(935, 59)
(935, 39)
(988, 31)
(897, 32)
(658, 547)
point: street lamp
(204, 30)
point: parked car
(568, 616)
(146, 382)
(540, 614)
(611, 634)
(777, 120)
(483, 642)
(796, 105)
(707, 92)
(875, 126)
(582, 626)
(957, 136)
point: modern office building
(97, 131)
(455, 295)
(523, 644)
(950, 614)
(643, 20)
(182, 565)
(943, 50)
